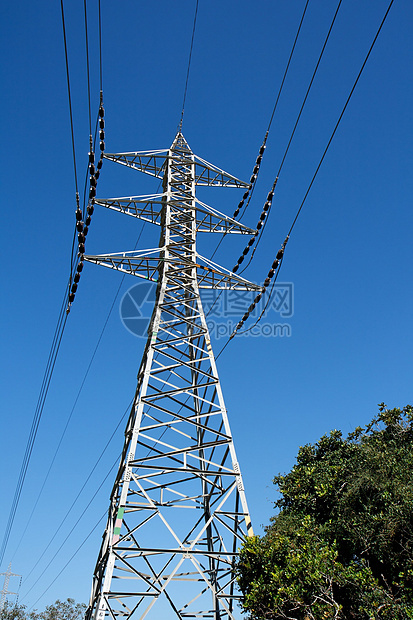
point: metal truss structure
(5, 591)
(178, 511)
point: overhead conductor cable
(271, 273)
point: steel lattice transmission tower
(178, 511)
(5, 591)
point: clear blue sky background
(350, 256)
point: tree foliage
(341, 543)
(16, 612)
(60, 610)
(64, 610)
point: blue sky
(349, 257)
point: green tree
(60, 610)
(16, 611)
(341, 543)
(64, 610)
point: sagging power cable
(72, 556)
(100, 47)
(88, 70)
(272, 271)
(84, 216)
(60, 326)
(246, 198)
(248, 194)
(189, 65)
(257, 236)
(70, 101)
(263, 219)
(82, 384)
(84, 510)
(57, 337)
(50, 365)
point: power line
(87, 70)
(74, 526)
(341, 116)
(266, 212)
(75, 403)
(189, 65)
(60, 441)
(100, 48)
(62, 317)
(309, 88)
(71, 558)
(81, 516)
(288, 65)
(250, 191)
(70, 100)
(78, 396)
(84, 215)
(90, 169)
(314, 177)
(273, 112)
(70, 417)
(54, 350)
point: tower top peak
(180, 143)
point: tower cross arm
(208, 174)
(211, 220)
(135, 263)
(148, 265)
(150, 162)
(154, 164)
(149, 209)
